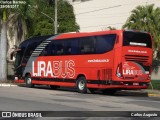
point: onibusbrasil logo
(21, 114)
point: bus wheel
(109, 91)
(82, 85)
(54, 87)
(28, 81)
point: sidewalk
(7, 85)
(152, 93)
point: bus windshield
(19, 56)
(136, 39)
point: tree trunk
(3, 51)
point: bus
(105, 60)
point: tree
(39, 24)
(66, 18)
(7, 16)
(3, 46)
(34, 22)
(146, 18)
(111, 28)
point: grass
(155, 84)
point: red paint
(100, 67)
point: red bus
(106, 60)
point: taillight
(119, 71)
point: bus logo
(53, 69)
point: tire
(28, 81)
(81, 85)
(109, 91)
(54, 87)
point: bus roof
(35, 39)
(39, 39)
(84, 34)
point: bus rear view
(134, 70)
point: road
(64, 99)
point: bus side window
(105, 43)
(75, 47)
(67, 50)
(59, 47)
(87, 45)
(44, 52)
(50, 49)
(67, 47)
(60, 52)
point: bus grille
(136, 58)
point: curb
(153, 95)
(7, 85)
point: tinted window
(54, 48)
(87, 45)
(105, 43)
(59, 47)
(75, 49)
(71, 47)
(30, 48)
(49, 50)
(136, 39)
(83, 45)
(19, 56)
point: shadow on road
(131, 93)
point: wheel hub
(81, 85)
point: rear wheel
(28, 81)
(82, 84)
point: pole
(55, 21)
(0, 55)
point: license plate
(135, 83)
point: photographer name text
(11, 4)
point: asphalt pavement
(42, 98)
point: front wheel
(28, 81)
(82, 84)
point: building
(97, 15)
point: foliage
(66, 18)
(39, 24)
(111, 28)
(146, 18)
